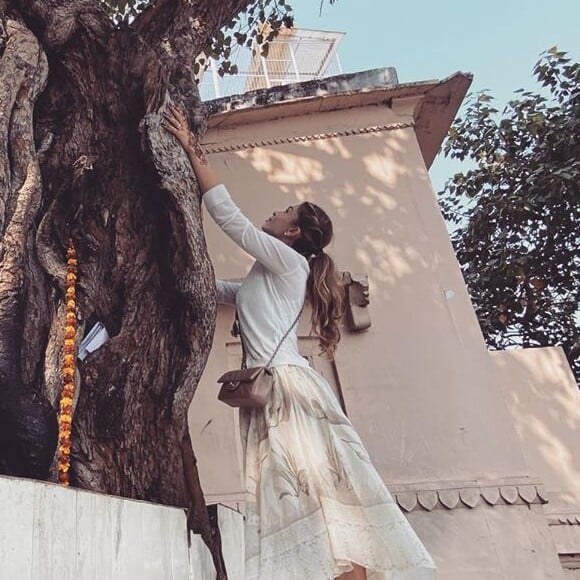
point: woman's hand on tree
(176, 123)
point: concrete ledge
(346, 83)
(438, 103)
(48, 532)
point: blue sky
(497, 41)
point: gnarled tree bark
(97, 167)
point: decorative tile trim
(564, 519)
(468, 494)
(305, 138)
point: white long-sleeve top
(273, 292)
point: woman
(316, 508)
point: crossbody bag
(250, 387)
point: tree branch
(28, 424)
(169, 35)
(172, 20)
(25, 70)
(55, 21)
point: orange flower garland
(68, 369)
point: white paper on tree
(95, 338)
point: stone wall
(48, 532)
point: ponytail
(323, 289)
(326, 296)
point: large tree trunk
(95, 166)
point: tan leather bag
(249, 387)
(246, 387)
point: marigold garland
(68, 369)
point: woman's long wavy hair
(323, 290)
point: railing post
(216, 79)
(294, 63)
(265, 69)
(338, 63)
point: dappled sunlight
(334, 147)
(381, 167)
(364, 183)
(377, 191)
(282, 168)
(376, 196)
(389, 262)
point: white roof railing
(295, 55)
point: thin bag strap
(238, 331)
(244, 352)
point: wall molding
(564, 519)
(570, 561)
(210, 149)
(468, 494)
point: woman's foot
(357, 573)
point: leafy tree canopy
(517, 210)
(254, 27)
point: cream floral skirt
(314, 501)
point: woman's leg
(358, 573)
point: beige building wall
(543, 401)
(435, 411)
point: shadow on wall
(349, 185)
(377, 191)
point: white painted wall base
(48, 532)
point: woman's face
(283, 222)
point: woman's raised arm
(270, 251)
(176, 123)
